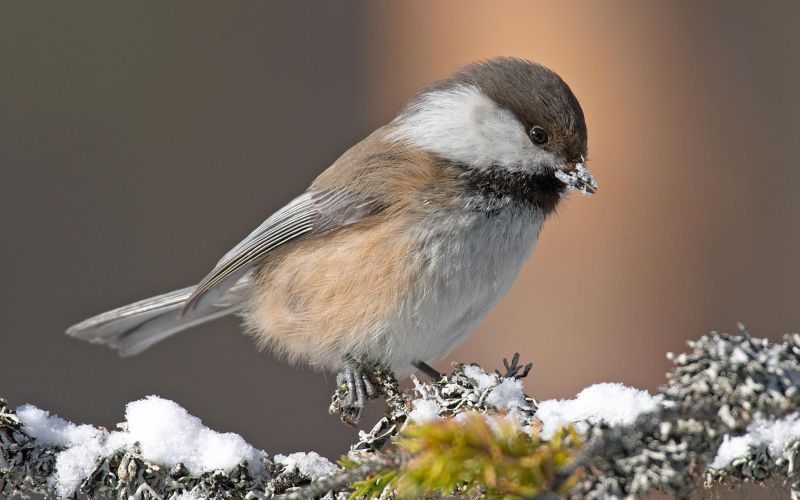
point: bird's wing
(314, 212)
(359, 184)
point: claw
(513, 368)
(359, 390)
(361, 397)
(350, 380)
(369, 388)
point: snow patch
(776, 435)
(732, 448)
(83, 446)
(482, 379)
(167, 434)
(507, 395)
(611, 403)
(53, 430)
(187, 495)
(424, 410)
(310, 465)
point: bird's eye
(538, 135)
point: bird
(398, 249)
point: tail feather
(133, 328)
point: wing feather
(291, 222)
(314, 212)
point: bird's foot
(513, 368)
(355, 388)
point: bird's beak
(588, 185)
(576, 176)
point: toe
(361, 397)
(350, 380)
(368, 387)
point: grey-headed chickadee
(399, 248)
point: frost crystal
(579, 179)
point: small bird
(396, 251)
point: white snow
(424, 410)
(731, 449)
(609, 402)
(167, 434)
(74, 464)
(310, 465)
(53, 430)
(774, 434)
(507, 395)
(82, 445)
(187, 495)
(483, 379)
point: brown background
(139, 141)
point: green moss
(448, 457)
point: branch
(727, 414)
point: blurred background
(140, 141)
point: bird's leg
(513, 368)
(428, 370)
(358, 390)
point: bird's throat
(499, 186)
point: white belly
(469, 261)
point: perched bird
(396, 251)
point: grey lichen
(717, 389)
(454, 393)
(27, 466)
(723, 384)
(761, 466)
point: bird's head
(504, 115)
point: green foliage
(472, 457)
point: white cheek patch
(462, 124)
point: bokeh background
(139, 141)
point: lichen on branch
(728, 413)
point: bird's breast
(395, 289)
(465, 262)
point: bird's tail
(133, 328)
